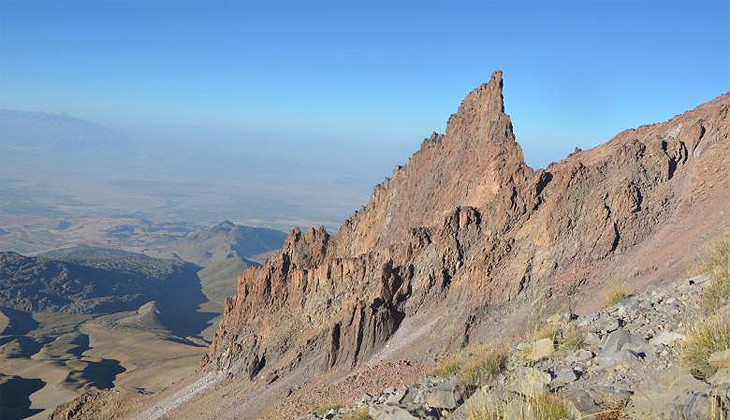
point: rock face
(466, 228)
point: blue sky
(373, 77)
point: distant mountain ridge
(30, 131)
(87, 280)
(227, 240)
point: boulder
(389, 412)
(579, 403)
(721, 377)
(541, 348)
(529, 381)
(720, 359)
(580, 356)
(444, 396)
(621, 346)
(703, 406)
(481, 399)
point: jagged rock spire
(483, 104)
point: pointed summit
(482, 104)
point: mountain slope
(87, 280)
(467, 234)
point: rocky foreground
(623, 362)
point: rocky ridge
(627, 366)
(466, 234)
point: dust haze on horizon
(227, 113)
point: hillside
(459, 247)
(86, 280)
(84, 317)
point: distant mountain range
(44, 131)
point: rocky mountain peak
(481, 105)
(466, 235)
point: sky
(370, 78)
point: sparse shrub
(484, 413)
(482, 367)
(614, 412)
(717, 260)
(708, 337)
(717, 265)
(548, 407)
(547, 331)
(573, 339)
(541, 407)
(361, 414)
(618, 294)
(448, 367)
(322, 409)
(717, 294)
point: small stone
(565, 376)
(396, 396)
(579, 403)
(667, 338)
(580, 356)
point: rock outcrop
(466, 232)
(623, 362)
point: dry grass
(717, 265)
(322, 409)
(540, 407)
(547, 331)
(717, 261)
(616, 412)
(573, 339)
(618, 294)
(548, 407)
(448, 367)
(705, 338)
(481, 368)
(361, 414)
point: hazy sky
(369, 75)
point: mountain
(28, 131)
(460, 247)
(225, 241)
(459, 241)
(87, 280)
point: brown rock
(466, 227)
